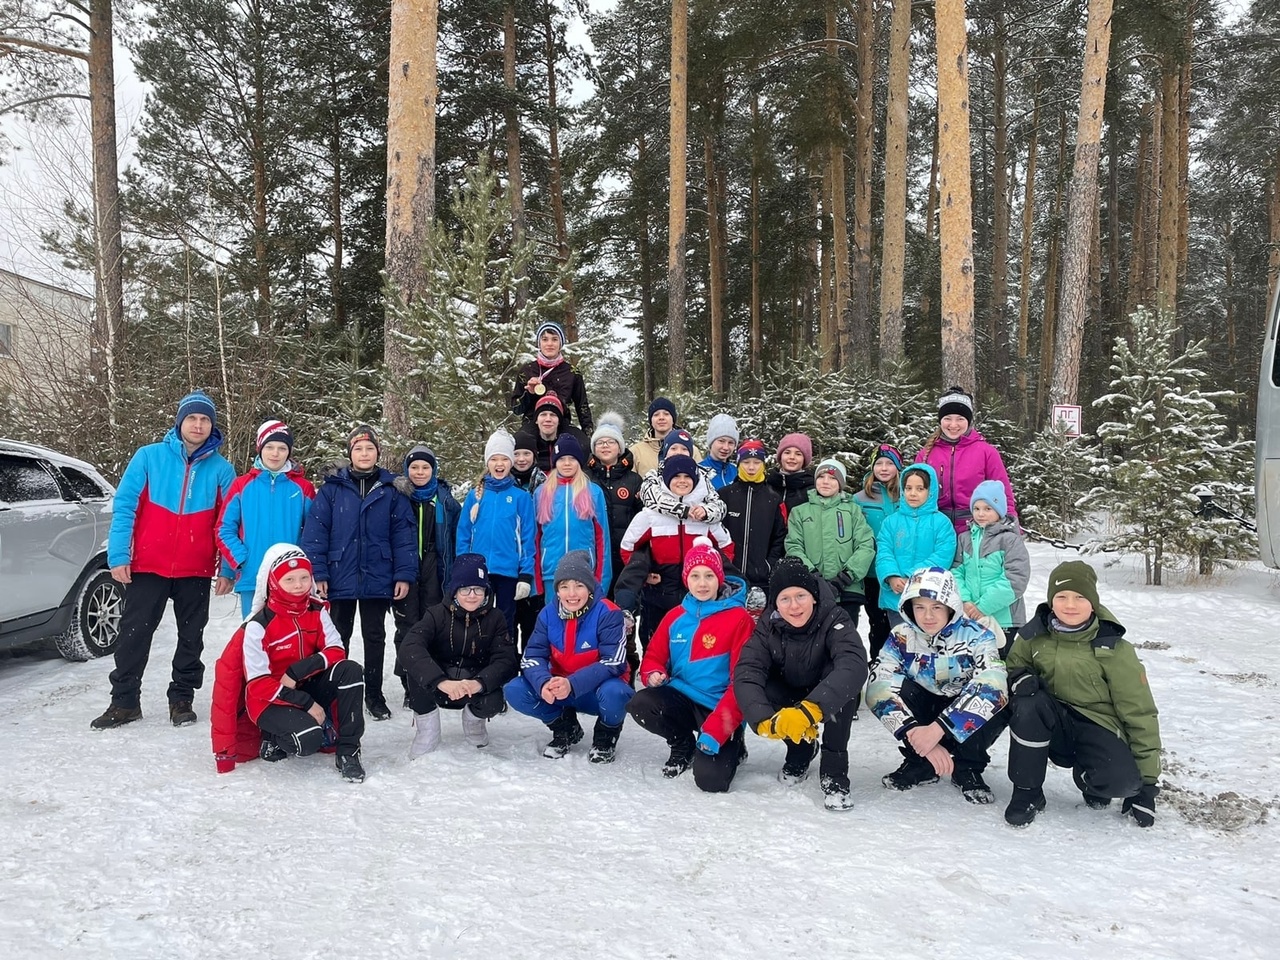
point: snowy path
(127, 844)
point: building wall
(44, 334)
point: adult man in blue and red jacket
(163, 547)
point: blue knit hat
(992, 491)
(676, 436)
(662, 403)
(672, 467)
(469, 570)
(567, 445)
(195, 402)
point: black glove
(1142, 805)
(842, 582)
(1023, 684)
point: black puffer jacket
(754, 520)
(823, 661)
(449, 643)
(792, 487)
(621, 486)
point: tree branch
(14, 107)
(8, 41)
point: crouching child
(939, 686)
(800, 676)
(575, 661)
(687, 671)
(458, 656)
(1079, 697)
(285, 674)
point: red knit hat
(703, 553)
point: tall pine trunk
(715, 258)
(511, 117)
(757, 320)
(1024, 290)
(677, 214)
(1082, 206)
(839, 207)
(557, 177)
(411, 183)
(893, 245)
(107, 342)
(640, 190)
(955, 216)
(997, 334)
(1048, 324)
(1170, 177)
(858, 349)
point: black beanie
(791, 572)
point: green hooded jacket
(831, 536)
(1097, 672)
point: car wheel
(95, 622)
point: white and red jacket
(668, 538)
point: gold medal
(540, 388)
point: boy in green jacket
(1079, 697)
(832, 537)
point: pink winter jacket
(961, 465)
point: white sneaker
(475, 729)
(426, 733)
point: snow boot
(271, 751)
(377, 706)
(1023, 806)
(181, 714)
(349, 767)
(914, 772)
(1092, 800)
(565, 732)
(475, 729)
(604, 743)
(426, 734)
(795, 769)
(116, 717)
(972, 786)
(835, 793)
(680, 760)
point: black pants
(972, 753)
(485, 705)
(1043, 728)
(878, 625)
(340, 692)
(373, 630)
(144, 602)
(504, 598)
(677, 719)
(527, 611)
(852, 608)
(835, 732)
(655, 603)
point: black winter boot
(349, 767)
(271, 751)
(115, 716)
(1023, 807)
(1092, 800)
(181, 714)
(565, 732)
(681, 759)
(377, 706)
(914, 772)
(604, 743)
(972, 786)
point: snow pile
(128, 844)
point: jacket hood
(790, 481)
(968, 439)
(173, 440)
(829, 503)
(343, 476)
(1041, 623)
(732, 594)
(1003, 525)
(931, 504)
(936, 584)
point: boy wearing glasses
(458, 657)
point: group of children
(700, 598)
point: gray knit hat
(722, 425)
(577, 565)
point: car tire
(95, 622)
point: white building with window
(44, 334)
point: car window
(84, 486)
(23, 479)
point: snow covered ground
(128, 844)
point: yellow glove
(768, 728)
(799, 722)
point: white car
(55, 515)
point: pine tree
(464, 350)
(1165, 439)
